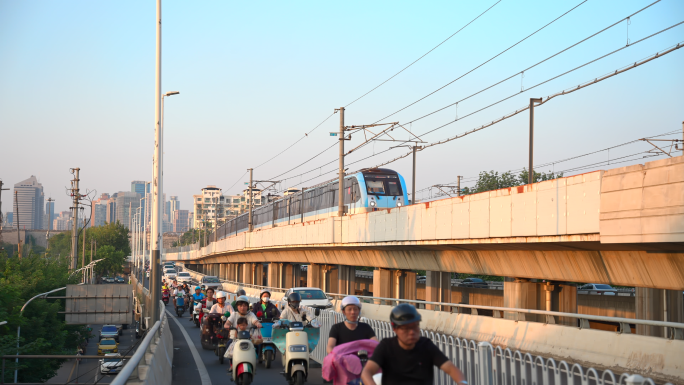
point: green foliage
(192, 236)
(43, 330)
(112, 244)
(491, 180)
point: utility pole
(413, 178)
(340, 189)
(83, 257)
(155, 279)
(249, 217)
(458, 185)
(16, 207)
(75, 195)
(47, 236)
(1, 217)
(90, 278)
(530, 169)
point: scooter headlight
(244, 345)
(298, 349)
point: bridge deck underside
(656, 265)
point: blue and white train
(364, 191)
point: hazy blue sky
(77, 86)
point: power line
(428, 52)
(488, 60)
(548, 98)
(237, 181)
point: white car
(599, 288)
(183, 277)
(111, 363)
(311, 296)
(170, 274)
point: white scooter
(300, 339)
(196, 306)
(244, 359)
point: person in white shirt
(221, 306)
(294, 311)
(242, 305)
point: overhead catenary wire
(427, 53)
(482, 64)
(548, 98)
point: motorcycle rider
(239, 293)
(293, 311)
(221, 306)
(178, 292)
(265, 305)
(196, 297)
(242, 310)
(407, 358)
(207, 303)
(350, 329)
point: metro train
(364, 191)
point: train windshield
(379, 184)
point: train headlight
(398, 204)
(372, 203)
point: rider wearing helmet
(242, 310)
(293, 311)
(221, 307)
(265, 305)
(351, 329)
(407, 358)
(239, 293)
(197, 297)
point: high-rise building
(63, 221)
(208, 207)
(48, 215)
(7, 221)
(110, 214)
(99, 213)
(139, 186)
(235, 205)
(180, 221)
(28, 204)
(126, 204)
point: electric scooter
(180, 305)
(165, 296)
(268, 348)
(195, 312)
(244, 359)
(296, 340)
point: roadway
(88, 370)
(192, 364)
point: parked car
(184, 277)
(111, 363)
(210, 281)
(109, 331)
(600, 288)
(311, 296)
(421, 279)
(474, 282)
(107, 345)
(119, 280)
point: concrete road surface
(194, 365)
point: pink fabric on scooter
(342, 364)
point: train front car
(381, 189)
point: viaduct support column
(656, 305)
(521, 293)
(330, 281)
(259, 274)
(346, 279)
(288, 279)
(273, 274)
(222, 271)
(382, 284)
(314, 274)
(437, 288)
(297, 275)
(248, 273)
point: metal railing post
(485, 369)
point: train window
(394, 188)
(375, 187)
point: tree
(192, 235)
(113, 260)
(43, 330)
(491, 180)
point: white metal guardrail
(159, 366)
(675, 330)
(484, 364)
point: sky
(77, 88)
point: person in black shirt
(407, 358)
(351, 329)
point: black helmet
(294, 299)
(404, 314)
(241, 292)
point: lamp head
(172, 93)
